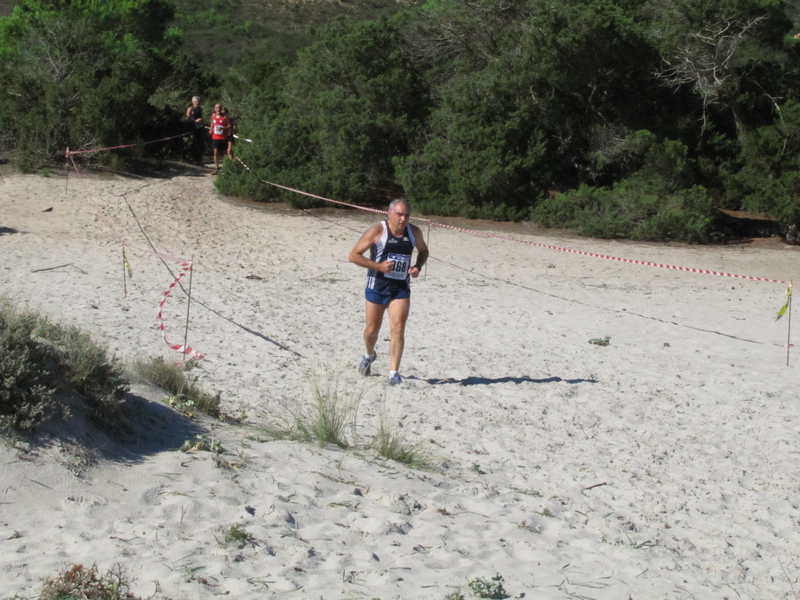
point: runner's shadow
(490, 381)
(7, 230)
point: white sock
(392, 374)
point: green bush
(485, 152)
(39, 358)
(86, 368)
(82, 74)
(650, 205)
(27, 375)
(767, 182)
(627, 211)
(351, 104)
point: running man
(391, 244)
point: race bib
(400, 266)
(219, 129)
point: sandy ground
(664, 465)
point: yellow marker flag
(785, 306)
(128, 265)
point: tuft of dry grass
(328, 413)
(184, 393)
(391, 442)
(79, 582)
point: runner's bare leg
(398, 315)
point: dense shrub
(81, 75)
(624, 211)
(351, 103)
(85, 367)
(769, 178)
(39, 358)
(27, 374)
(652, 204)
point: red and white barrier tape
(558, 248)
(69, 152)
(186, 265)
(186, 350)
(607, 257)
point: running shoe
(366, 363)
(395, 379)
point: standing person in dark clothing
(194, 116)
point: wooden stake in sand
(188, 305)
(124, 273)
(429, 247)
(789, 318)
(787, 307)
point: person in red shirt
(231, 131)
(220, 128)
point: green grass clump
(390, 442)
(330, 413)
(236, 534)
(185, 395)
(493, 588)
(39, 358)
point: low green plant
(456, 595)
(492, 588)
(39, 358)
(203, 443)
(185, 395)
(237, 534)
(604, 341)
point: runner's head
(397, 201)
(399, 212)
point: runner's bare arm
(422, 252)
(357, 257)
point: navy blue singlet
(397, 249)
